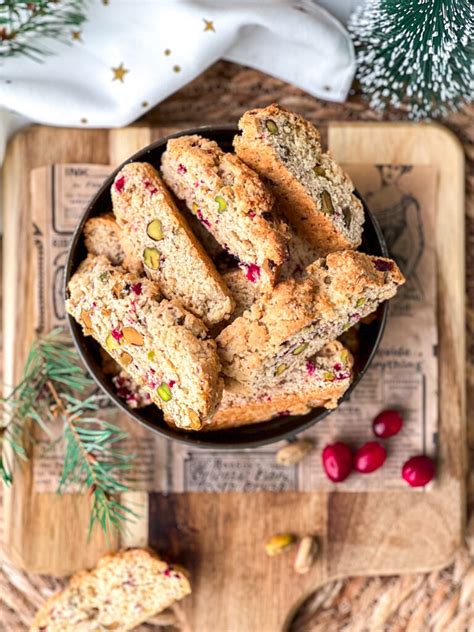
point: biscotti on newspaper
(123, 591)
(230, 200)
(299, 317)
(164, 348)
(320, 381)
(310, 188)
(160, 237)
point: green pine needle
(54, 386)
(415, 54)
(26, 26)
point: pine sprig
(416, 54)
(54, 386)
(25, 26)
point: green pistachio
(221, 204)
(164, 392)
(301, 348)
(326, 203)
(151, 257)
(155, 230)
(271, 126)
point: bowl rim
(195, 439)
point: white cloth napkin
(131, 54)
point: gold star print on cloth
(119, 72)
(76, 36)
(209, 25)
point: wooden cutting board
(219, 536)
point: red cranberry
(370, 457)
(205, 221)
(137, 288)
(383, 266)
(310, 368)
(119, 184)
(387, 423)
(253, 272)
(337, 461)
(118, 335)
(418, 471)
(149, 187)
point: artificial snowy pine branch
(416, 54)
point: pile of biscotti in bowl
(220, 285)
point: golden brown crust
(103, 599)
(288, 158)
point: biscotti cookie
(299, 317)
(310, 188)
(123, 591)
(164, 348)
(300, 255)
(230, 200)
(243, 291)
(320, 381)
(171, 254)
(102, 237)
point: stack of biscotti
(300, 316)
(164, 348)
(123, 591)
(217, 283)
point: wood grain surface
(219, 537)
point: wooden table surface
(220, 95)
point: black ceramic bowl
(233, 438)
